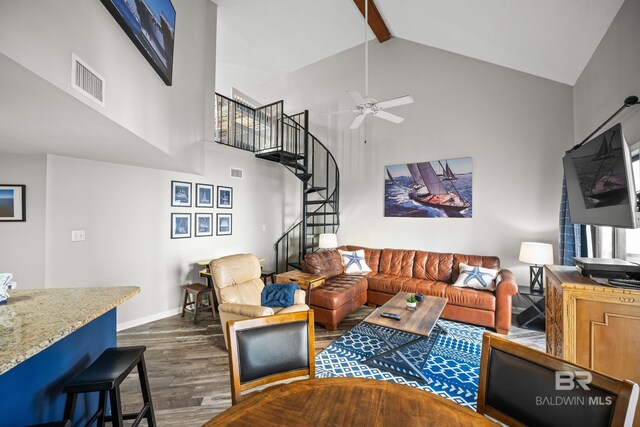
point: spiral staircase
(285, 139)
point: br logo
(568, 380)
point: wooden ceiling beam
(376, 23)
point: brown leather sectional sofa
(394, 270)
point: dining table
(346, 402)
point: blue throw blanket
(278, 295)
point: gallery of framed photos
(200, 223)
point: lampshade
(328, 241)
(536, 253)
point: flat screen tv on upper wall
(150, 24)
(600, 184)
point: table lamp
(327, 241)
(537, 254)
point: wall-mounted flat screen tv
(150, 24)
(600, 184)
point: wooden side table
(268, 275)
(306, 281)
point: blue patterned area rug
(452, 368)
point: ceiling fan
(368, 106)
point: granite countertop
(34, 319)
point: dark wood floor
(187, 365)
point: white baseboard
(137, 322)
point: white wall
(126, 212)
(22, 244)
(41, 35)
(515, 126)
(610, 76)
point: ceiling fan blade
(357, 121)
(355, 95)
(388, 116)
(339, 112)
(395, 102)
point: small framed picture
(204, 196)
(204, 224)
(225, 197)
(180, 225)
(224, 225)
(13, 203)
(181, 194)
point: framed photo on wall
(180, 225)
(13, 203)
(224, 227)
(225, 197)
(181, 194)
(204, 196)
(204, 224)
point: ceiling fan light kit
(365, 105)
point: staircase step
(295, 265)
(304, 176)
(321, 224)
(322, 213)
(278, 155)
(318, 202)
(294, 165)
(314, 189)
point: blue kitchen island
(47, 336)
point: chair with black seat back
(105, 375)
(269, 349)
(521, 386)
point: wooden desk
(348, 402)
(306, 281)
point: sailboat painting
(433, 189)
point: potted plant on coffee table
(412, 302)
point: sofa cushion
(468, 297)
(397, 262)
(425, 287)
(433, 266)
(338, 290)
(327, 263)
(371, 256)
(473, 260)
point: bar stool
(197, 290)
(105, 376)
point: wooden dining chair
(267, 349)
(521, 386)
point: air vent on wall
(86, 81)
(236, 173)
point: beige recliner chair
(238, 287)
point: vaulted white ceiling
(259, 40)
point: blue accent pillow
(278, 295)
(476, 277)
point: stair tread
(314, 189)
(318, 202)
(321, 224)
(277, 155)
(304, 176)
(322, 213)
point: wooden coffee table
(420, 324)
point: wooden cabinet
(593, 325)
